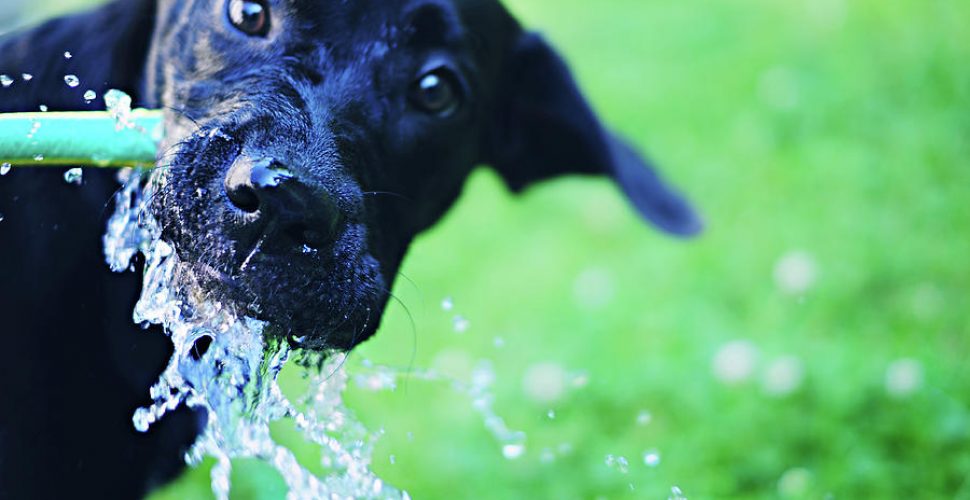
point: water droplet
(89, 96)
(74, 176)
(72, 81)
(267, 173)
(651, 458)
(68, 55)
(460, 324)
(38, 157)
(27, 77)
(392, 459)
(619, 463)
(119, 106)
(5, 168)
(117, 101)
(447, 304)
(513, 451)
(547, 456)
(1, 217)
(498, 342)
(33, 129)
(580, 379)
(676, 494)
(6, 81)
(43, 108)
(551, 414)
(142, 419)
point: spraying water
(228, 365)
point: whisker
(414, 339)
(387, 193)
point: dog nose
(300, 211)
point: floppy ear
(103, 48)
(545, 128)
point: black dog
(307, 143)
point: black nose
(295, 211)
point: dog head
(309, 142)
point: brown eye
(250, 16)
(436, 92)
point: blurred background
(813, 343)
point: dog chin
(308, 311)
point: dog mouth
(269, 244)
(307, 296)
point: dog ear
(57, 62)
(545, 128)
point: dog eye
(250, 16)
(436, 92)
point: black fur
(324, 100)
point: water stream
(228, 365)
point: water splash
(618, 462)
(73, 176)
(676, 494)
(479, 389)
(460, 324)
(228, 365)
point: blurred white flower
(796, 272)
(735, 361)
(783, 376)
(795, 483)
(544, 382)
(593, 289)
(904, 377)
(644, 418)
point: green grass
(838, 128)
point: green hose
(80, 139)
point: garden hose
(80, 139)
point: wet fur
(327, 98)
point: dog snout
(291, 210)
